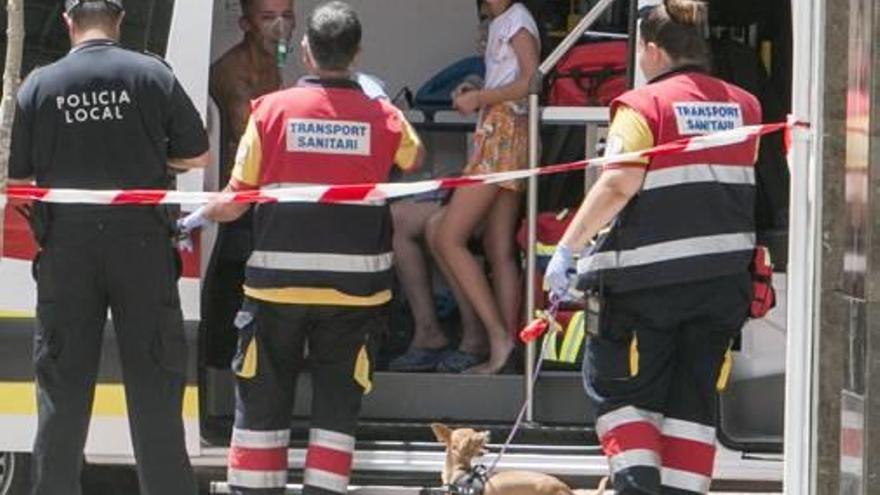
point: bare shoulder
(230, 64)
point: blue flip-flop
(456, 361)
(418, 359)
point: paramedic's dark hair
(95, 14)
(334, 33)
(677, 27)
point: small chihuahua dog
(464, 444)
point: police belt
(42, 216)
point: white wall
(405, 41)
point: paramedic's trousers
(655, 371)
(276, 342)
(122, 260)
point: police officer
(106, 118)
(672, 273)
(320, 274)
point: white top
(502, 66)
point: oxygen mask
(280, 36)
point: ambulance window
(146, 27)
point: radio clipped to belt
(763, 294)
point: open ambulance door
(402, 405)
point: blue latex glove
(186, 226)
(193, 221)
(559, 273)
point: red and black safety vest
(324, 132)
(694, 216)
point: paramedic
(672, 274)
(320, 274)
(104, 117)
(250, 69)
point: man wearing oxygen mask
(250, 69)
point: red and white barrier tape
(373, 192)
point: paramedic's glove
(559, 273)
(186, 226)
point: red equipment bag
(591, 74)
(763, 294)
(550, 228)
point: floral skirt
(501, 144)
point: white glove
(193, 221)
(186, 226)
(559, 273)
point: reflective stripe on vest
(668, 251)
(321, 262)
(693, 174)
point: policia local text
(93, 106)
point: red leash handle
(539, 326)
(534, 330)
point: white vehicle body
(194, 43)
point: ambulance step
(220, 488)
(409, 469)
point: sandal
(418, 359)
(457, 361)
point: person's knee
(432, 234)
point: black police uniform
(107, 118)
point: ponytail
(676, 26)
(687, 12)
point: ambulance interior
(405, 44)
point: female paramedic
(500, 144)
(672, 272)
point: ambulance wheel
(15, 473)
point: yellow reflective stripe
(544, 249)
(362, 370)
(550, 347)
(634, 356)
(724, 372)
(20, 399)
(574, 337)
(16, 314)
(323, 297)
(249, 366)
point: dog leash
(546, 322)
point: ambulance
(406, 41)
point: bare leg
(473, 338)
(498, 242)
(410, 220)
(468, 207)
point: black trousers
(654, 371)
(276, 343)
(122, 261)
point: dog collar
(471, 482)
